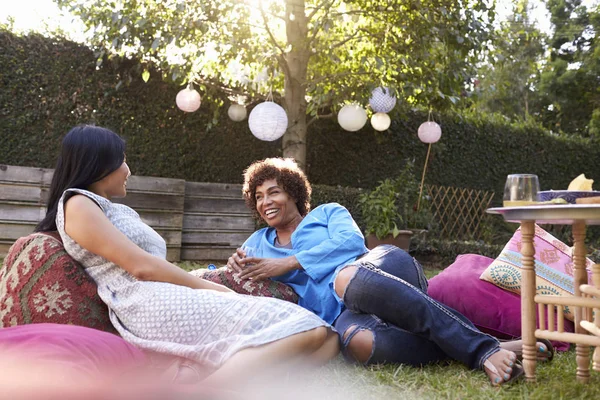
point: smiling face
(275, 206)
(114, 185)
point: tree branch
(280, 58)
(317, 117)
(266, 23)
(250, 5)
(319, 7)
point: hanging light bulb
(352, 117)
(268, 121)
(237, 112)
(380, 121)
(382, 101)
(429, 132)
(188, 99)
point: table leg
(596, 282)
(528, 316)
(579, 251)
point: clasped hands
(258, 268)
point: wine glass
(521, 190)
(251, 252)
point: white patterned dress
(205, 326)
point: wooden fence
(199, 221)
(459, 211)
(215, 221)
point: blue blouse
(326, 240)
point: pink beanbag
(88, 351)
(493, 310)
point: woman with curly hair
(377, 300)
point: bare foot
(499, 366)
(516, 346)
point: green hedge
(442, 253)
(50, 85)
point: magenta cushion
(88, 351)
(493, 310)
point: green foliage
(443, 252)
(569, 80)
(392, 205)
(423, 48)
(313, 54)
(49, 85)
(508, 83)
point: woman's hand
(236, 262)
(258, 269)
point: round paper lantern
(237, 112)
(381, 100)
(188, 100)
(268, 121)
(380, 121)
(352, 117)
(429, 132)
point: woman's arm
(88, 226)
(330, 240)
(344, 242)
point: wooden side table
(579, 216)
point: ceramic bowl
(569, 195)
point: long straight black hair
(88, 154)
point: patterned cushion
(41, 283)
(553, 267)
(266, 288)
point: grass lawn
(451, 380)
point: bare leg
(242, 366)
(329, 350)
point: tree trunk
(295, 70)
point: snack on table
(581, 183)
(588, 200)
(557, 200)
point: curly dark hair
(287, 174)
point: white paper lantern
(382, 101)
(237, 112)
(380, 121)
(268, 121)
(188, 100)
(429, 132)
(352, 117)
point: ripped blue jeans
(388, 297)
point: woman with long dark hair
(153, 303)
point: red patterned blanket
(41, 283)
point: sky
(33, 14)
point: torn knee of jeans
(358, 343)
(342, 272)
(348, 333)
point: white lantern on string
(382, 100)
(352, 117)
(429, 132)
(237, 112)
(188, 99)
(380, 121)
(268, 121)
